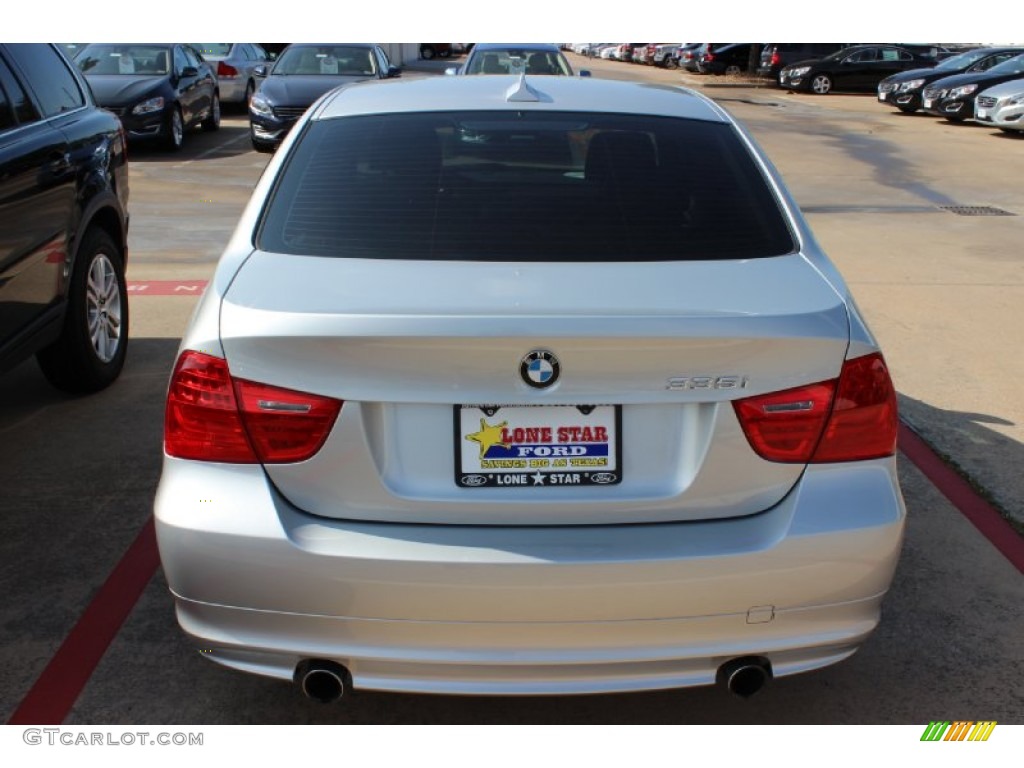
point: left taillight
(852, 418)
(226, 70)
(211, 416)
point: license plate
(927, 103)
(982, 115)
(883, 96)
(537, 446)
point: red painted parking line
(55, 692)
(982, 514)
(166, 287)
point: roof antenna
(521, 91)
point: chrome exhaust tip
(323, 681)
(745, 676)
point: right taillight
(864, 421)
(849, 419)
(211, 416)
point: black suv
(64, 222)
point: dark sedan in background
(904, 89)
(729, 59)
(859, 67)
(776, 56)
(159, 90)
(953, 97)
(301, 75)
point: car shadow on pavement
(973, 446)
(232, 139)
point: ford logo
(603, 478)
(474, 480)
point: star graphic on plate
(538, 479)
(488, 436)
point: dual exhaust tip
(744, 676)
(327, 681)
(323, 681)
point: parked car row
(817, 67)
(986, 84)
(706, 58)
(655, 54)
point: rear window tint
(514, 186)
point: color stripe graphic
(960, 730)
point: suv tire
(91, 349)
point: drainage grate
(975, 210)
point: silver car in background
(235, 64)
(1002, 106)
(476, 402)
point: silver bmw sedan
(512, 385)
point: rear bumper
(501, 610)
(232, 89)
(526, 658)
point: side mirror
(584, 73)
(394, 71)
(189, 72)
(452, 71)
(272, 56)
(261, 70)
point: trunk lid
(404, 343)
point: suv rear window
(521, 186)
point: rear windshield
(522, 186)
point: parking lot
(943, 292)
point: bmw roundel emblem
(540, 369)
